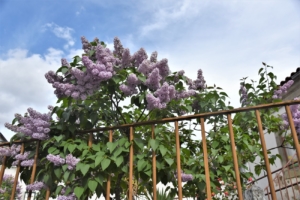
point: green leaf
(119, 161)
(111, 146)
(260, 70)
(94, 117)
(51, 150)
(71, 147)
(99, 179)
(58, 189)
(227, 167)
(72, 128)
(105, 163)
(91, 52)
(154, 144)
(141, 164)
(58, 138)
(118, 151)
(98, 160)
(66, 176)
(163, 150)
(92, 185)
(139, 143)
(141, 78)
(85, 169)
(78, 191)
(215, 144)
(221, 159)
(170, 161)
(57, 172)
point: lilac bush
(107, 88)
(6, 187)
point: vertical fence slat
(205, 158)
(235, 161)
(34, 167)
(90, 143)
(130, 192)
(17, 175)
(266, 158)
(153, 164)
(293, 131)
(277, 176)
(47, 194)
(268, 194)
(108, 178)
(178, 161)
(2, 169)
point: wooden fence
(175, 120)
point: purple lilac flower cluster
(66, 197)
(296, 118)
(36, 186)
(56, 160)
(282, 90)
(23, 158)
(35, 125)
(7, 182)
(185, 177)
(102, 64)
(199, 83)
(10, 151)
(244, 95)
(99, 68)
(70, 160)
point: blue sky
(227, 39)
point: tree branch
(118, 109)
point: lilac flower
(66, 197)
(69, 197)
(56, 160)
(71, 161)
(36, 186)
(127, 90)
(119, 49)
(139, 57)
(185, 177)
(27, 163)
(295, 110)
(282, 90)
(35, 125)
(163, 93)
(153, 102)
(199, 83)
(10, 151)
(6, 188)
(5, 151)
(153, 81)
(22, 156)
(153, 57)
(126, 58)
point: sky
(227, 39)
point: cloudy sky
(227, 39)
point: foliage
(104, 88)
(6, 188)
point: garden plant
(105, 88)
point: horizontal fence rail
(271, 190)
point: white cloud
(61, 32)
(23, 84)
(171, 12)
(80, 10)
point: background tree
(103, 88)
